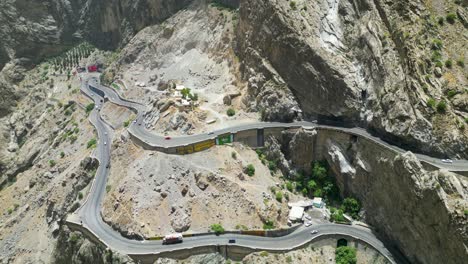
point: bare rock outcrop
(364, 63)
(405, 203)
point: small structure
(296, 213)
(179, 87)
(318, 203)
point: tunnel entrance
(342, 242)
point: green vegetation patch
(345, 255)
(92, 143)
(250, 170)
(217, 228)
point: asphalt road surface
(89, 215)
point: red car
(167, 138)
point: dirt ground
(154, 194)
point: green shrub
(108, 188)
(126, 123)
(293, 5)
(448, 63)
(52, 163)
(461, 63)
(250, 170)
(289, 186)
(279, 196)
(431, 103)
(90, 107)
(451, 18)
(451, 93)
(440, 20)
(441, 107)
(10, 211)
(234, 155)
(230, 112)
(345, 255)
(288, 259)
(439, 64)
(263, 254)
(80, 195)
(437, 44)
(217, 228)
(92, 143)
(286, 196)
(466, 120)
(62, 154)
(436, 56)
(268, 225)
(272, 166)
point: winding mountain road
(89, 215)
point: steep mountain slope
(365, 63)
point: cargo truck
(172, 239)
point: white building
(318, 202)
(179, 87)
(296, 213)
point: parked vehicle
(308, 223)
(447, 161)
(92, 68)
(167, 138)
(172, 239)
(313, 232)
(231, 241)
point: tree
(250, 170)
(351, 206)
(319, 171)
(311, 185)
(345, 255)
(217, 228)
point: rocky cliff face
(34, 29)
(420, 213)
(362, 62)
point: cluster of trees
(315, 184)
(71, 58)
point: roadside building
(296, 214)
(318, 203)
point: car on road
(167, 138)
(108, 165)
(210, 133)
(232, 241)
(313, 232)
(447, 161)
(105, 143)
(308, 223)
